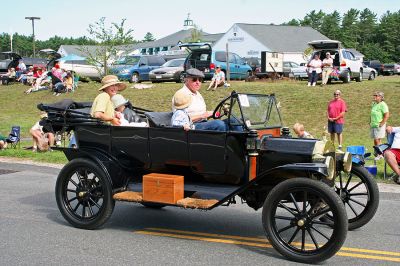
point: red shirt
(335, 107)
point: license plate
(158, 77)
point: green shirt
(378, 111)
(103, 103)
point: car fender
(109, 165)
(293, 170)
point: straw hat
(118, 100)
(110, 80)
(182, 100)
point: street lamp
(33, 30)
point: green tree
(313, 19)
(350, 28)
(366, 27)
(389, 35)
(293, 22)
(330, 26)
(148, 37)
(107, 38)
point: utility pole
(33, 31)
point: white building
(249, 40)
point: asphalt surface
(33, 232)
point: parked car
(296, 181)
(172, 70)
(83, 69)
(375, 64)
(254, 63)
(391, 69)
(11, 59)
(348, 65)
(292, 69)
(369, 72)
(202, 57)
(136, 68)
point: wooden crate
(163, 188)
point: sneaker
(54, 93)
(396, 179)
(340, 147)
(58, 94)
(377, 158)
(34, 149)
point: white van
(348, 65)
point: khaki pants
(325, 75)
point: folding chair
(14, 137)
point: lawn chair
(14, 137)
(75, 83)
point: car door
(242, 67)
(144, 68)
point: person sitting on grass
(300, 132)
(181, 118)
(3, 142)
(218, 79)
(392, 155)
(42, 135)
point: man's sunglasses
(196, 79)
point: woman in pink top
(314, 69)
(335, 113)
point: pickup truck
(11, 59)
(391, 69)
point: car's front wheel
(371, 76)
(135, 78)
(84, 194)
(360, 77)
(291, 218)
(181, 78)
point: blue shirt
(181, 118)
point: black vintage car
(301, 184)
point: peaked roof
(282, 38)
(172, 40)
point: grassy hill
(299, 104)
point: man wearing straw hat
(103, 107)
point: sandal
(396, 179)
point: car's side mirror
(142, 64)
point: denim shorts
(335, 127)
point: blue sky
(71, 18)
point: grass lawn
(299, 104)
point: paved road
(33, 232)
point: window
(220, 56)
(204, 57)
(155, 60)
(238, 59)
(131, 60)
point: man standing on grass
(335, 113)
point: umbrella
(71, 57)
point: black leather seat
(159, 119)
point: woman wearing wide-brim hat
(103, 107)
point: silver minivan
(344, 60)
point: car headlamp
(330, 165)
(347, 162)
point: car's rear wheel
(291, 219)
(84, 194)
(360, 77)
(360, 195)
(135, 78)
(347, 77)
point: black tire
(360, 77)
(301, 203)
(371, 76)
(153, 205)
(347, 77)
(84, 194)
(181, 78)
(362, 205)
(135, 78)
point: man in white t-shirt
(392, 155)
(327, 67)
(197, 109)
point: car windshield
(128, 60)
(174, 63)
(259, 111)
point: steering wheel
(221, 110)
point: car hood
(118, 68)
(299, 69)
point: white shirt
(315, 65)
(327, 61)
(396, 139)
(198, 105)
